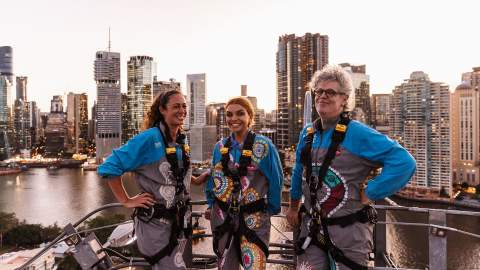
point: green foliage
(24, 235)
(21, 234)
(7, 221)
(101, 221)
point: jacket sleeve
(398, 164)
(137, 151)
(271, 167)
(296, 181)
(210, 184)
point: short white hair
(333, 73)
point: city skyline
(224, 38)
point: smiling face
(238, 119)
(329, 101)
(175, 111)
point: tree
(24, 235)
(101, 221)
(7, 222)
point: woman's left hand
(201, 178)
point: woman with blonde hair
(243, 191)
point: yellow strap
(247, 153)
(171, 150)
(224, 150)
(341, 128)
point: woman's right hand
(208, 213)
(144, 200)
(292, 216)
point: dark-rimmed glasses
(328, 92)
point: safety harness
(317, 216)
(233, 208)
(177, 214)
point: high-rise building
(216, 117)
(465, 117)
(6, 62)
(22, 87)
(381, 112)
(56, 129)
(34, 118)
(164, 86)
(92, 123)
(108, 107)
(360, 101)
(420, 120)
(243, 90)
(6, 136)
(125, 118)
(21, 117)
(297, 60)
(203, 142)
(22, 125)
(196, 99)
(77, 122)
(139, 72)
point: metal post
(187, 253)
(380, 238)
(437, 241)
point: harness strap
(177, 216)
(235, 235)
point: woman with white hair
(334, 157)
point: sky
(234, 42)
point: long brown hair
(154, 116)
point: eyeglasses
(328, 92)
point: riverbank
(471, 204)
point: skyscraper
(216, 117)
(6, 102)
(108, 107)
(163, 86)
(360, 101)
(56, 129)
(77, 121)
(465, 113)
(420, 120)
(381, 112)
(297, 60)
(6, 62)
(139, 72)
(22, 87)
(196, 99)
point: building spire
(109, 41)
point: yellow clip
(341, 128)
(247, 153)
(309, 130)
(171, 150)
(224, 150)
(187, 148)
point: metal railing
(437, 237)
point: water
(65, 195)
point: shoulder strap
(244, 161)
(337, 137)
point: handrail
(47, 247)
(203, 202)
